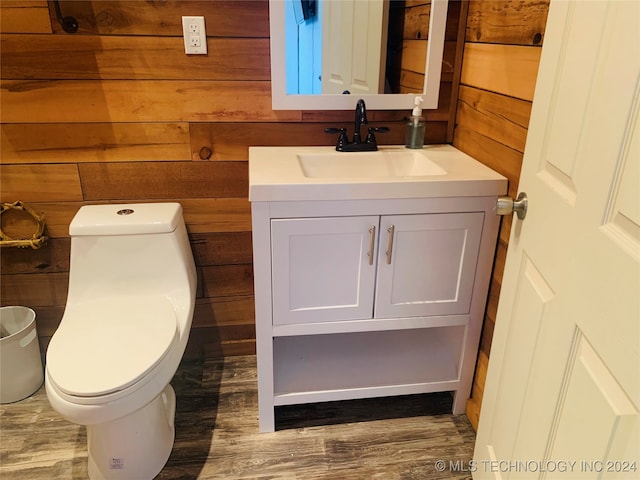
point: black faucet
(369, 145)
(361, 119)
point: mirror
(281, 100)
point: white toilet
(132, 289)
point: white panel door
(354, 36)
(563, 386)
(323, 269)
(426, 264)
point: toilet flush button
(125, 211)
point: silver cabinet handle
(372, 241)
(507, 205)
(390, 231)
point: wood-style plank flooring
(217, 434)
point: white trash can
(21, 372)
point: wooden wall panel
(473, 409)
(37, 183)
(101, 58)
(54, 258)
(227, 280)
(223, 327)
(230, 248)
(503, 119)
(495, 155)
(416, 20)
(414, 55)
(217, 215)
(223, 18)
(34, 289)
(507, 22)
(413, 63)
(93, 142)
(138, 101)
(156, 180)
(506, 69)
(19, 16)
(499, 70)
(118, 113)
(231, 141)
(224, 312)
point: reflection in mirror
(325, 54)
(328, 50)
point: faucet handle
(371, 138)
(342, 137)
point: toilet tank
(130, 219)
(130, 249)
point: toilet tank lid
(126, 219)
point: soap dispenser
(414, 137)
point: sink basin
(299, 173)
(404, 163)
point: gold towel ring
(36, 240)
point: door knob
(507, 205)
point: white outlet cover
(194, 35)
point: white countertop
(275, 174)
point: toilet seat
(106, 345)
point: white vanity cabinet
(368, 297)
(348, 268)
(353, 304)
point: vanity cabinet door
(426, 264)
(323, 269)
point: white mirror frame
(388, 101)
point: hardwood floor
(217, 435)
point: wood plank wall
(118, 113)
(499, 70)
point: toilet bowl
(126, 323)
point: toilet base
(136, 446)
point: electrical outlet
(195, 35)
